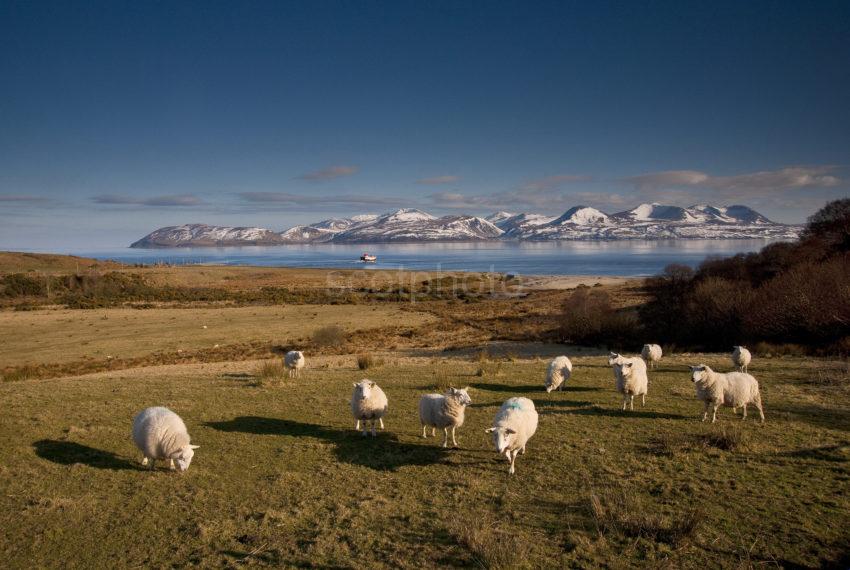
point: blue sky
(118, 118)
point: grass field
(282, 479)
(61, 335)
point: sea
(625, 258)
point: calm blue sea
(629, 258)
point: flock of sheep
(160, 434)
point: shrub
(20, 373)
(270, 370)
(329, 336)
(589, 318)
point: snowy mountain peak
(654, 212)
(406, 215)
(582, 216)
(497, 217)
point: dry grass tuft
(725, 437)
(270, 370)
(615, 511)
(20, 373)
(367, 361)
(329, 336)
(489, 545)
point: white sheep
(159, 433)
(293, 362)
(651, 353)
(558, 373)
(368, 404)
(741, 358)
(515, 423)
(631, 380)
(444, 411)
(734, 389)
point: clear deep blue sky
(118, 118)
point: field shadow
(239, 375)
(526, 389)
(814, 415)
(834, 453)
(383, 453)
(549, 405)
(618, 413)
(70, 453)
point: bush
(589, 318)
(271, 370)
(329, 336)
(20, 373)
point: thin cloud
(553, 182)
(791, 178)
(21, 198)
(330, 173)
(180, 200)
(439, 180)
(301, 200)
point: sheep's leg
(625, 402)
(433, 432)
(144, 461)
(705, 412)
(374, 431)
(757, 404)
(357, 426)
(512, 470)
(454, 441)
(424, 431)
(745, 412)
(522, 450)
(714, 413)
(381, 422)
(642, 400)
(632, 402)
(171, 464)
(445, 437)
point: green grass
(281, 478)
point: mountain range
(646, 221)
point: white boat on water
(368, 258)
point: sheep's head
(613, 358)
(363, 389)
(461, 395)
(503, 437)
(699, 373)
(624, 367)
(183, 456)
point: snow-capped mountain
(646, 221)
(204, 235)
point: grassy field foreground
(282, 479)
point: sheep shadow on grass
(528, 388)
(617, 412)
(382, 453)
(70, 453)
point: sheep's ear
(509, 430)
(490, 430)
(371, 384)
(627, 364)
(194, 446)
(354, 384)
(693, 368)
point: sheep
(294, 362)
(368, 403)
(631, 380)
(734, 389)
(558, 373)
(741, 358)
(651, 353)
(444, 411)
(159, 433)
(515, 423)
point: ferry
(368, 258)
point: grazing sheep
(444, 411)
(515, 423)
(558, 373)
(631, 380)
(651, 353)
(735, 389)
(741, 358)
(159, 433)
(294, 362)
(368, 404)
